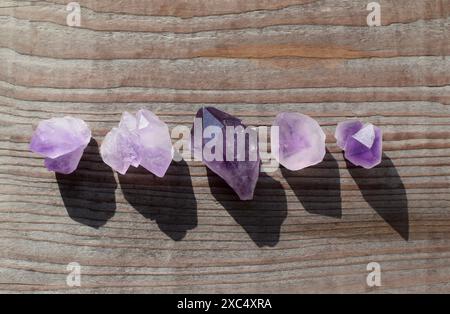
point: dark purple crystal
(238, 167)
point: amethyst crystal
(228, 148)
(62, 142)
(139, 140)
(300, 142)
(362, 143)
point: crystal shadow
(261, 217)
(169, 201)
(383, 189)
(318, 188)
(89, 192)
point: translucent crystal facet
(362, 143)
(301, 141)
(62, 142)
(240, 169)
(139, 140)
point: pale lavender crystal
(141, 139)
(300, 142)
(62, 142)
(362, 143)
(240, 172)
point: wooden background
(308, 231)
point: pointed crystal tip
(366, 135)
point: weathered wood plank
(309, 231)
(279, 41)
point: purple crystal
(143, 140)
(238, 165)
(301, 141)
(362, 143)
(62, 142)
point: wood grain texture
(308, 231)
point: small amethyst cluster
(144, 140)
(61, 141)
(362, 143)
(139, 140)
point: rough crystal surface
(62, 142)
(362, 143)
(300, 142)
(141, 139)
(239, 169)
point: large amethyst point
(240, 169)
(301, 141)
(62, 142)
(141, 139)
(362, 143)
